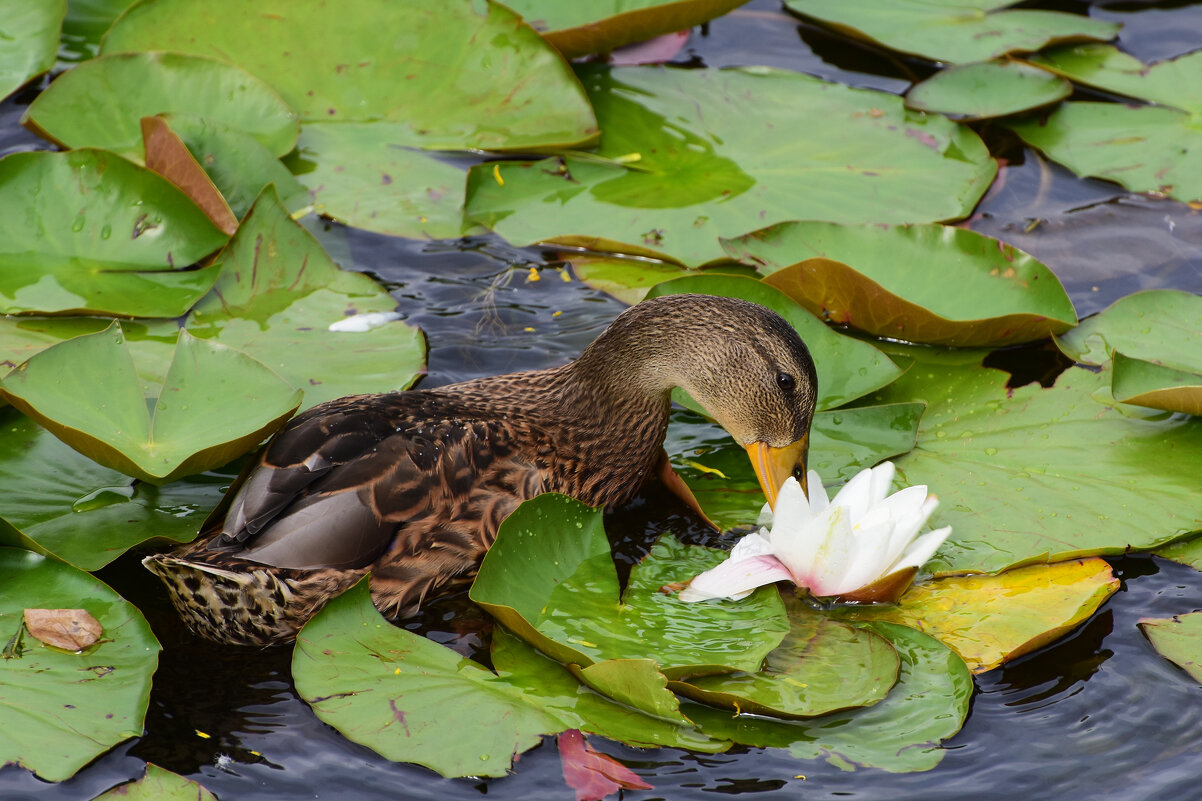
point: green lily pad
(1155, 340)
(451, 75)
(693, 155)
(987, 89)
(901, 734)
(1144, 148)
(277, 297)
(93, 104)
(598, 26)
(367, 176)
(1034, 475)
(216, 403)
(990, 620)
(1173, 82)
(88, 231)
(822, 666)
(921, 283)
(630, 279)
(847, 368)
(53, 493)
(237, 163)
(158, 785)
(396, 693)
(561, 594)
(956, 32)
(30, 32)
(1178, 639)
(842, 442)
(1160, 325)
(21, 337)
(63, 709)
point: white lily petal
(751, 546)
(835, 553)
(923, 549)
(855, 494)
(818, 497)
(735, 579)
(910, 511)
(882, 481)
(869, 558)
(766, 516)
(798, 543)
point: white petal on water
(735, 579)
(359, 323)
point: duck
(412, 486)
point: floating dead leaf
(69, 629)
(591, 774)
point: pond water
(1099, 714)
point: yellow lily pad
(991, 620)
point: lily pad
(1178, 639)
(237, 164)
(63, 709)
(922, 283)
(693, 155)
(987, 89)
(1144, 148)
(279, 294)
(396, 693)
(956, 32)
(561, 594)
(847, 368)
(901, 734)
(451, 75)
(87, 231)
(30, 32)
(991, 620)
(95, 104)
(1155, 340)
(1175, 82)
(216, 404)
(630, 279)
(158, 785)
(367, 175)
(822, 666)
(167, 155)
(598, 26)
(1034, 475)
(842, 442)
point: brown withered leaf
(69, 629)
(167, 155)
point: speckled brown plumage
(414, 485)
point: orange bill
(774, 465)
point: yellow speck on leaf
(628, 158)
(396, 672)
(704, 468)
(496, 173)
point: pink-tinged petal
(735, 579)
(590, 773)
(835, 553)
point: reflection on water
(1098, 715)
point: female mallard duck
(412, 486)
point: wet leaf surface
(1144, 148)
(53, 493)
(87, 231)
(1178, 639)
(215, 404)
(158, 785)
(1173, 82)
(847, 368)
(30, 32)
(510, 90)
(277, 296)
(1149, 384)
(597, 26)
(92, 105)
(1033, 475)
(986, 89)
(821, 666)
(976, 30)
(842, 442)
(62, 709)
(560, 593)
(412, 700)
(900, 734)
(629, 280)
(693, 155)
(921, 283)
(991, 620)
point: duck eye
(786, 381)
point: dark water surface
(1098, 715)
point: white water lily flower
(862, 546)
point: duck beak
(774, 465)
